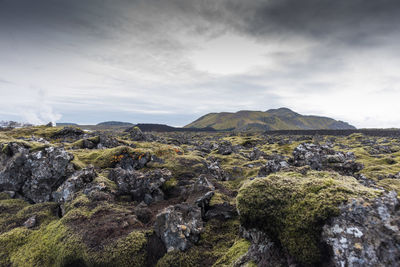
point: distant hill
(151, 127)
(273, 119)
(66, 124)
(115, 123)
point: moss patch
(240, 247)
(291, 208)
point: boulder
(179, 226)
(366, 234)
(73, 133)
(73, 184)
(136, 134)
(141, 186)
(34, 175)
(325, 158)
(225, 148)
(275, 164)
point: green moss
(51, 245)
(127, 251)
(190, 258)
(10, 242)
(217, 238)
(291, 208)
(14, 212)
(219, 198)
(103, 158)
(103, 180)
(240, 247)
(391, 184)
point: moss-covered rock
(240, 247)
(291, 208)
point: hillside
(114, 123)
(273, 119)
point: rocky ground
(70, 197)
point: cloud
(171, 61)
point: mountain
(273, 119)
(114, 123)
(151, 127)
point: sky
(172, 61)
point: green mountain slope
(273, 119)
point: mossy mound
(104, 158)
(215, 243)
(291, 208)
(240, 247)
(14, 212)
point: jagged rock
(275, 164)
(262, 251)
(216, 170)
(204, 201)
(202, 184)
(76, 182)
(225, 148)
(324, 158)
(366, 234)
(141, 186)
(69, 133)
(127, 162)
(136, 134)
(31, 222)
(256, 154)
(224, 211)
(34, 175)
(179, 226)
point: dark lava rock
(69, 133)
(223, 211)
(366, 234)
(73, 184)
(275, 164)
(324, 158)
(225, 148)
(136, 134)
(216, 170)
(34, 175)
(129, 162)
(262, 251)
(204, 201)
(141, 186)
(256, 154)
(179, 226)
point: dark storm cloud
(125, 57)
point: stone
(366, 234)
(179, 226)
(141, 186)
(73, 184)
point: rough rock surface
(225, 148)
(141, 186)
(275, 164)
(366, 234)
(35, 175)
(179, 226)
(73, 184)
(69, 133)
(262, 251)
(136, 134)
(325, 158)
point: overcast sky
(171, 61)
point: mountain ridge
(272, 119)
